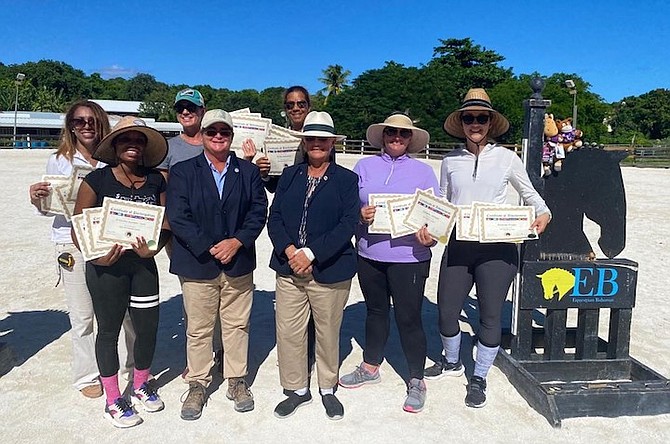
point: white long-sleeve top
(464, 178)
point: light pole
(20, 77)
(573, 91)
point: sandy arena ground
(38, 403)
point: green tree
(336, 79)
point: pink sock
(140, 377)
(111, 386)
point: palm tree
(336, 80)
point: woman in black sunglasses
(86, 123)
(480, 171)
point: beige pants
(227, 298)
(296, 298)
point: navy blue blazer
(199, 218)
(331, 220)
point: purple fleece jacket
(402, 175)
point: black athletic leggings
(405, 283)
(129, 284)
(491, 267)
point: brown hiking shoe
(191, 408)
(238, 391)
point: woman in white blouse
(480, 171)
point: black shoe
(476, 396)
(334, 408)
(444, 368)
(288, 406)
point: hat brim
(321, 134)
(419, 141)
(499, 124)
(154, 153)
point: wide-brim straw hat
(476, 100)
(420, 137)
(154, 152)
(319, 124)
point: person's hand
(111, 257)
(142, 248)
(368, 214)
(300, 263)
(424, 238)
(225, 250)
(37, 192)
(540, 223)
(249, 149)
(263, 164)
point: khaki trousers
(296, 298)
(227, 298)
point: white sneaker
(147, 397)
(121, 414)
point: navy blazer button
(237, 170)
(325, 177)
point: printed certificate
(77, 176)
(281, 153)
(88, 234)
(506, 224)
(463, 224)
(123, 221)
(50, 203)
(473, 229)
(397, 210)
(61, 192)
(247, 126)
(436, 214)
(381, 224)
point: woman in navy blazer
(311, 223)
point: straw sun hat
(476, 100)
(420, 137)
(154, 152)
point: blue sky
(619, 47)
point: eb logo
(581, 282)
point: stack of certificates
(117, 222)
(64, 191)
(403, 214)
(279, 144)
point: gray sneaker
(444, 368)
(416, 396)
(191, 408)
(359, 377)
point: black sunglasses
(188, 106)
(404, 133)
(469, 119)
(211, 132)
(302, 104)
(312, 139)
(80, 122)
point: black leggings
(405, 283)
(129, 284)
(491, 267)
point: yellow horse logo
(556, 282)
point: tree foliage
(428, 93)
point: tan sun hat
(420, 137)
(319, 124)
(154, 152)
(476, 100)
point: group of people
(216, 207)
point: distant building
(40, 129)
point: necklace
(140, 181)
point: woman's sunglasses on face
(404, 133)
(188, 106)
(81, 122)
(225, 133)
(469, 119)
(302, 104)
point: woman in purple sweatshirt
(394, 268)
